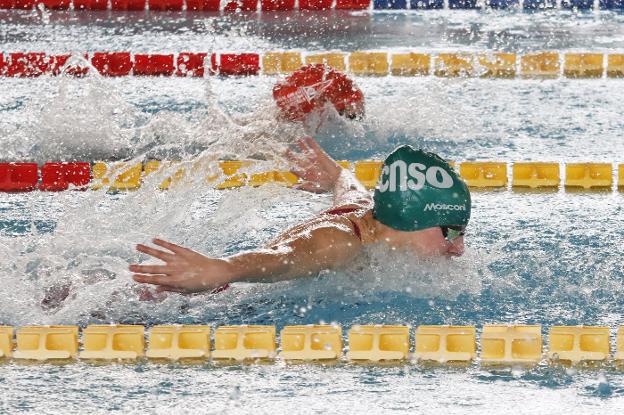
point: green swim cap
(419, 190)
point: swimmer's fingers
(156, 253)
(313, 145)
(301, 173)
(303, 145)
(316, 149)
(170, 246)
(293, 157)
(159, 279)
(299, 159)
(150, 269)
(167, 288)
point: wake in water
(79, 272)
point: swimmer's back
(355, 219)
(359, 217)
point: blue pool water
(537, 258)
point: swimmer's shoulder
(360, 207)
(358, 216)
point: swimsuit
(355, 215)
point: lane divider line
(501, 344)
(492, 65)
(230, 174)
(229, 6)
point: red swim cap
(312, 86)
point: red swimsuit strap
(343, 211)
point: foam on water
(545, 258)
(94, 234)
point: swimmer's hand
(184, 271)
(317, 170)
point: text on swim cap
(442, 206)
(413, 176)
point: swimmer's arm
(348, 191)
(320, 173)
(303, 255)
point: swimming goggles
(453, 232)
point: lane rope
(309, 5)
(500, 344)
(229, 174)
(490, 64)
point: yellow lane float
(540, 65)
(446, 343)
(577, 344)
(411, 64)
(497, 65)
(244, 343)
(313, 342)
(175, 342)
(583, 65)
(6, 341)
(589, 175)
(112, 342)
(369, 63)
(450, 65)
(511, 344)
(615, 66)
(274, 63)
(378, 342)
(484, 174)
(535, 175)
(334, 59)
(368, 172)
(46, 343)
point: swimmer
(312, 87)
(421, 206)
(302, 98)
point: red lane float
(18, 177)
(26, 65)
(112, 63)
(131, 5)
(242, 5)
(315, 4)
(56, 177)
(243, 64)
(91, 4)
(23, 4)
(352, 4)
(29, 4)
(190, 64)
(56, 4)
(165, 5)
(191, 5)
(203, 5)
(153, 65)
(277, 5)
(56, 63)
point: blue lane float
(390, 4)
(427, 4)
(503, 4)
(577, 4)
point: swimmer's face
(426, 243)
